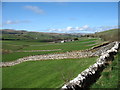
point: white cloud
(9, 22)
(84, 29)
(34, 9)
(85, 26)
(103, 28)
(70, 29)
(15, 22)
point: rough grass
(110, 76)
(44, 74)
(109, 35)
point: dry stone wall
(88, 76)
(74, 54)
(37, 50)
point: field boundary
(91, 74)
(37, 50)
(68, 55)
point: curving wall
(89, 75)
(74, 54)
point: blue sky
(61, 17)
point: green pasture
(70, 46)
(88, 39)
(53, 73)
(44, 74)
(17, 55)
(20, 42)
(110, 76)
(27, 45)
(19, 45)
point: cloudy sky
(61, 17)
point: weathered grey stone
(74, 54)
(100, 63)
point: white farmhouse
(62, 41)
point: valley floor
(45, 73)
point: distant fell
(10, 34)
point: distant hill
(109, 35)
(10, 34)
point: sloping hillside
(109, 35)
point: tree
(76, 39)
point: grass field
(110, 76)
(42, 74)
(70, 46)
(25, 45)
(52, 73)
(17, 55)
